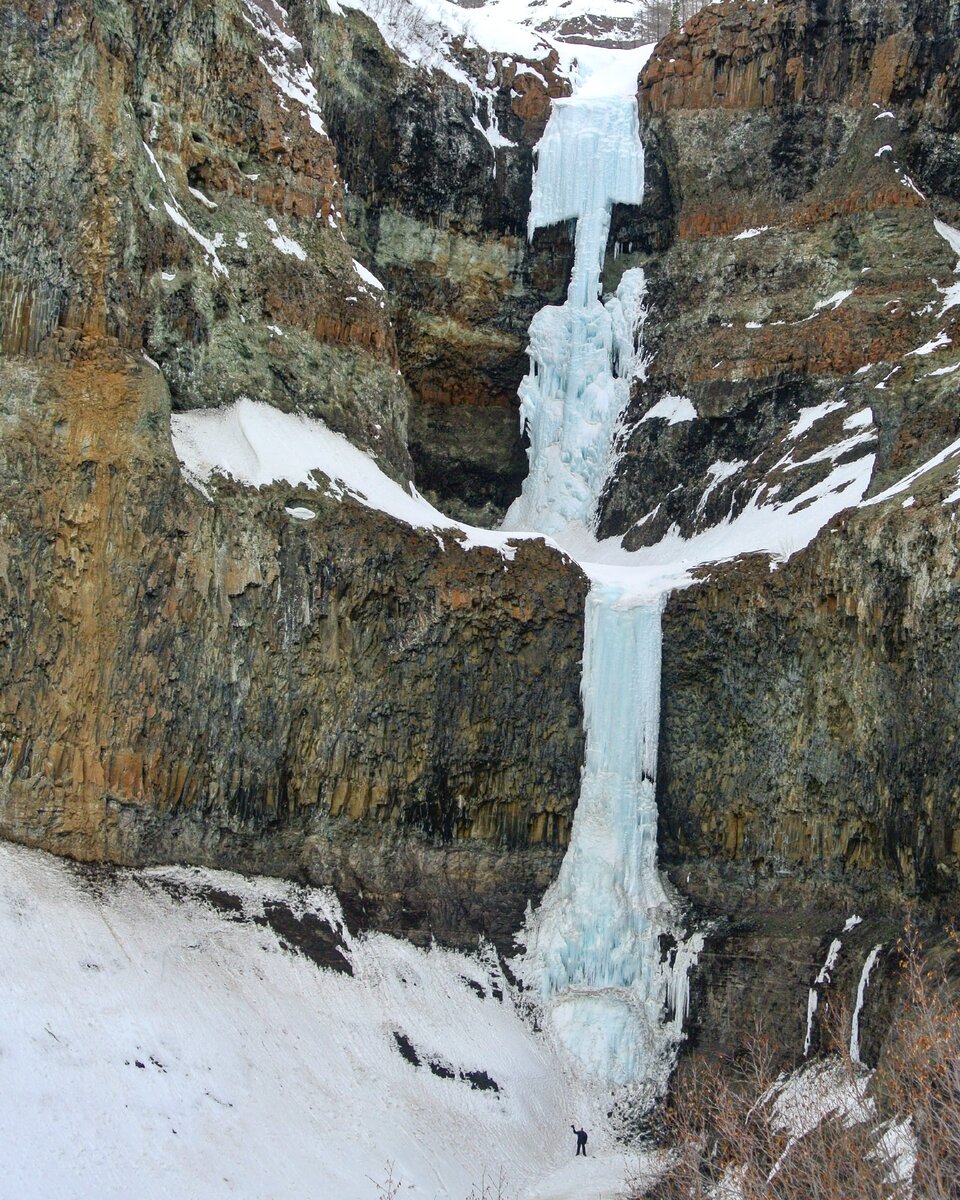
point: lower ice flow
(592, 949)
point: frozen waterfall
(582, 353)
(593, 947)
(596, 938)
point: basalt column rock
(218, 682)
(195, 675)
(799, 155)
(808, 767)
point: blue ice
(593, 947)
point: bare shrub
(390, 1186)
(738, 1133)
(490, 1188)
(918, 1080)
(832, 1131)
(405, 19)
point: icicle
(678, 982)
(832, 955)
(858, 1008)
(813, 999)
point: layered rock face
(438, 174)
(834, 284)
(808, 762)
(170, 186)
(203, 677)
(801, 153)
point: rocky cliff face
(205, 678)
(171, 186)
(438, 175)
(808, 764)
(800, 302)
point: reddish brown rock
(216, 682)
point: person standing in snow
(581, 1141)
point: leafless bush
(830, 1132)
(404, 18)
(490, 1188)
(737, 1133)
(390, 1187)
(918, 1080)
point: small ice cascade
(593, 947)
(858, 1008)
(582, 353)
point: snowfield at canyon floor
(174, 1032)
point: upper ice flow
(584, 352)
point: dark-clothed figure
(581, 1141)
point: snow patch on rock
(259, 445)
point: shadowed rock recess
(211, 680)
(442, 216)
(808, 767)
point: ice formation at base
(592, 949)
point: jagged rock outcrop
(839, 278)
(801, 154)
(205, 678)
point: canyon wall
(201, 676)
(802, 152)
(192, 201)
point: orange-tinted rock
(183, 680)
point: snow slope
(256, 444)
(160, 1038)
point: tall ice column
(582, 353)
(593, 946)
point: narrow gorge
(479, 574)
